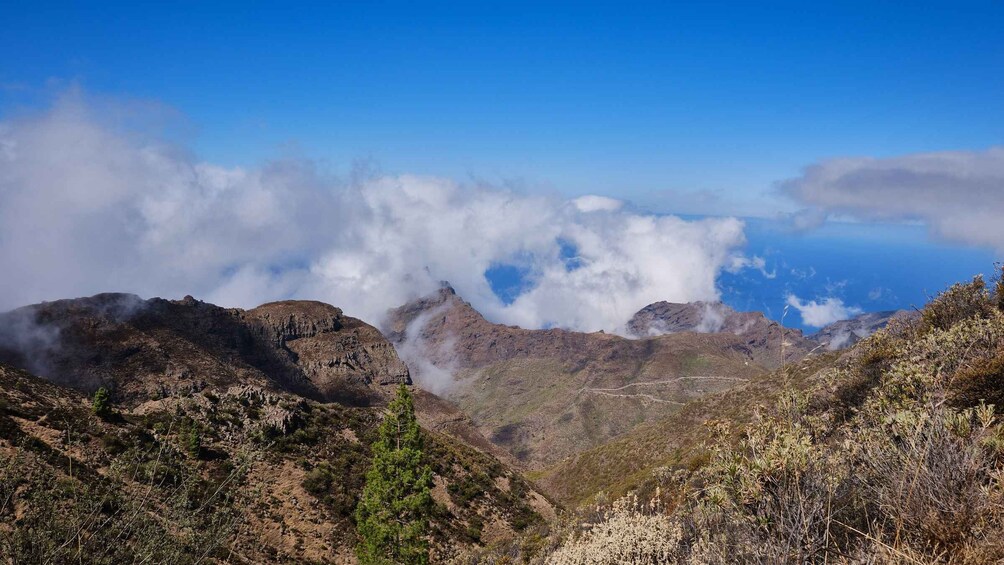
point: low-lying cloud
(819, 313)
(959, 195)
(87, 208)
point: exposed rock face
(714, 317)
(453, 332)
(845, 333)
(150, 348)
(328, 346)
(545, 394)
(702, 317)
(760, 337)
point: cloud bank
(817, 314)
(86, 207)
(959, 195)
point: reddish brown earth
(544, 395)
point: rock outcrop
(702, 317)
(328, 346)
(148, 348)
(545, 394)
(845, 333)
(663, 318)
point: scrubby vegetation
(895, 455)
(148, 506)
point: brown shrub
(981, 381)
(999, 287)
(959, 302)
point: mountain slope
(138, 347)
(672, 442)
(845, 333)
(277, 465)
(546, 394)
(890, 452)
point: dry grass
(901, 461)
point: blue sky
(579, 97)
(677, 108)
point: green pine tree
(194, 442)
(102, 405)
(392, 515)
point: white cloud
(594, 203)
(85, 208)
(821, 313)
(741, 262)
(958, 194)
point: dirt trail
(612, 391)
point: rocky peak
(701, 317)
(137, 346)
(845, 333)
(295, 319)
(442, 308)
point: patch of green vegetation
(695, 364)
(338, 480)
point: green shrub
(193, 442)
(318, 481)
(981, 381)
(960, 302)
(101, 404)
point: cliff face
(148, 348)
(329, 347)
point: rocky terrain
(702, 317)
(663, 318)
(544, 395)
(282, 401)
(241, 435)
(845, 333)
(147, 348)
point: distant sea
(870, 266)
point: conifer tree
(194, 442)
(392, 515)
(102, 403)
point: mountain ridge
(261, 417)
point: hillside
(142, 349)
(282, 402)
(845, 333)
(544, 395)
(889, 452)
(675, 441)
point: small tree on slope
(392, 515)
(102, 404)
